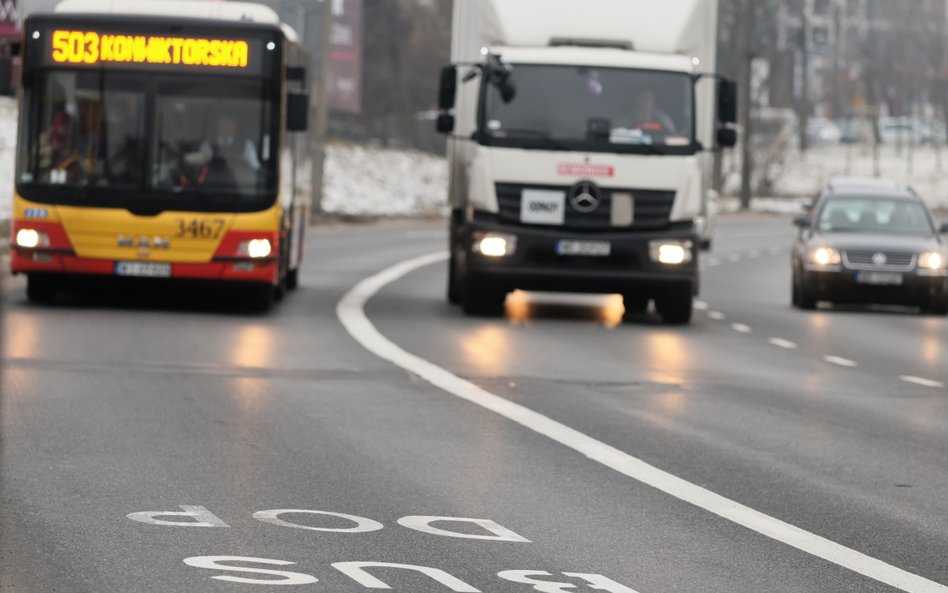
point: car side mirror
(448, 88)
(297, 112)
(801, 222)
(727, 137)
(445, 123)
(727, 101)
(944, 228)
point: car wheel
(676, 306)
(803, 297)
(481, 298)
(454, 289)
(41, 289)
(937, 306)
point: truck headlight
(31, 239)
(671, 253)
(255, 248)
(494, 244)
(825, 256)
(931, 261)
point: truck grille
(864, 259)
(652, 209)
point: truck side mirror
(727, 101)
(727, 137)
(446, 123)
(297, 111)
(6, 76)
(448, 88)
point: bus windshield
(130, 137)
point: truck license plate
(880, 278)
(143, 269)
(584, 248)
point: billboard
(8, 19)
(346, 56)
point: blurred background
(835, 87)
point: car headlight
(494, 244)
(825, 256)
(671, 253)
(931, 260)
(31, 239)
(255, 248)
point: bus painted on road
(158, 142)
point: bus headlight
(255, 249)
(825, 256)
(494, 244)
(671, 253)
(31, 239)
(931, 261)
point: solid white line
(922, 382)
(840, 361)
(740, 327)
(351, 313)
(716, 315)
(781, 343)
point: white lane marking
(781, 343)
(840, 361)
(716, 315)
(351, 314)
(741, 328)
(922, 382)
(701, 306)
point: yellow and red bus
(158, 142)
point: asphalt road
(141, 400)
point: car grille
(652, 208)
(865, 260)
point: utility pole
(803, 106)
(320, 135)
(746, 103)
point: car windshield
(609, 108)
(875, 215)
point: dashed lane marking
(716, 315)
(351, 313)
(840, 361)
(741, 328)
(781, 343)
(701, 306)
(922, 382)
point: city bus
(160, 140)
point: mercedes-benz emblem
(880, 259)
(585, 197)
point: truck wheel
(262, 297)
(676, 306)
(293, 279)
(454, 290)
(41, 289)
(635, 304)
(481, 298)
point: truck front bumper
(536, 262)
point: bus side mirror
(727, 101)
(944, 228)
(6, 76)
(727, 137)
(448, 88)
(297, 112)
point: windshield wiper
(526, 132)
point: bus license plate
(143, 269)
(880, 278)
(584, 248)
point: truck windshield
(595, 109)
(103, 138)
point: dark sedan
(871, 246)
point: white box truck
(581, 135)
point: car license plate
(143, 269)
(584, 248)
(880, 278)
